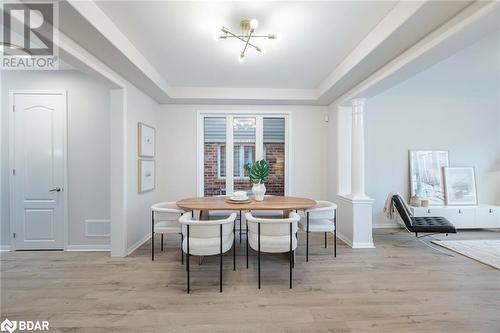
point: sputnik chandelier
(247, 32)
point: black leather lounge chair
(426, 224)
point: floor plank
(399, 286)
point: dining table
(270, 202)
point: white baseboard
(4, 248)
(103, 247)
(344, 239)
(355, 245)
(358, 245)
(137, 244)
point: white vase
(258, 191)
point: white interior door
(39, 126)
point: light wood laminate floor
(397, 287)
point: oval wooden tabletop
(270, 203)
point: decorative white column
(355, 209)
(358, 150)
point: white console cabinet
(464, 217)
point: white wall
(140, 108)
(178, 142)
(88, 153)
(88, 148)
(332, 154)
(453, 106)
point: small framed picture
(460, 186)
(147, 175)
(146, 140)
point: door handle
(56, 189)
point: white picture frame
(426, 175)
(146, 175)
(460, 186)
(146, 140)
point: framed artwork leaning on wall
(460, 186)
(426, 176)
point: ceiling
(473, 71)
(178, 39)
(326, 50)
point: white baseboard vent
(89, 247)
(97, 228)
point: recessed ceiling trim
(243, 93)
(165, 93)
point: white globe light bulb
(254, 24)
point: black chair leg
(335, 244)
(161, 242)
(335, 235)
(258, 252)
(220, 260)
(326, 242)
(307, 236)
(291, 264)
(187, 260)
(234, 246)
(247, 244)
(152, 236)
(240, 227)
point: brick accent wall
(213, 184)
(275, 155)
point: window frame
(218, 161)
(259, 144)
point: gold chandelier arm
(240, 38)
(248, 41)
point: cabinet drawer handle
(459, 211)
(428, 211)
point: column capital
(358, 104)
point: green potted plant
(259, 175)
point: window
(243, 154)
(230, 141)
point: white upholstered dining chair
(320, 218)
(165, 220)
(206, 238)
(272, 235)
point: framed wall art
(146, 140)
(426, 175)
(460, 186)
(147, 175)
